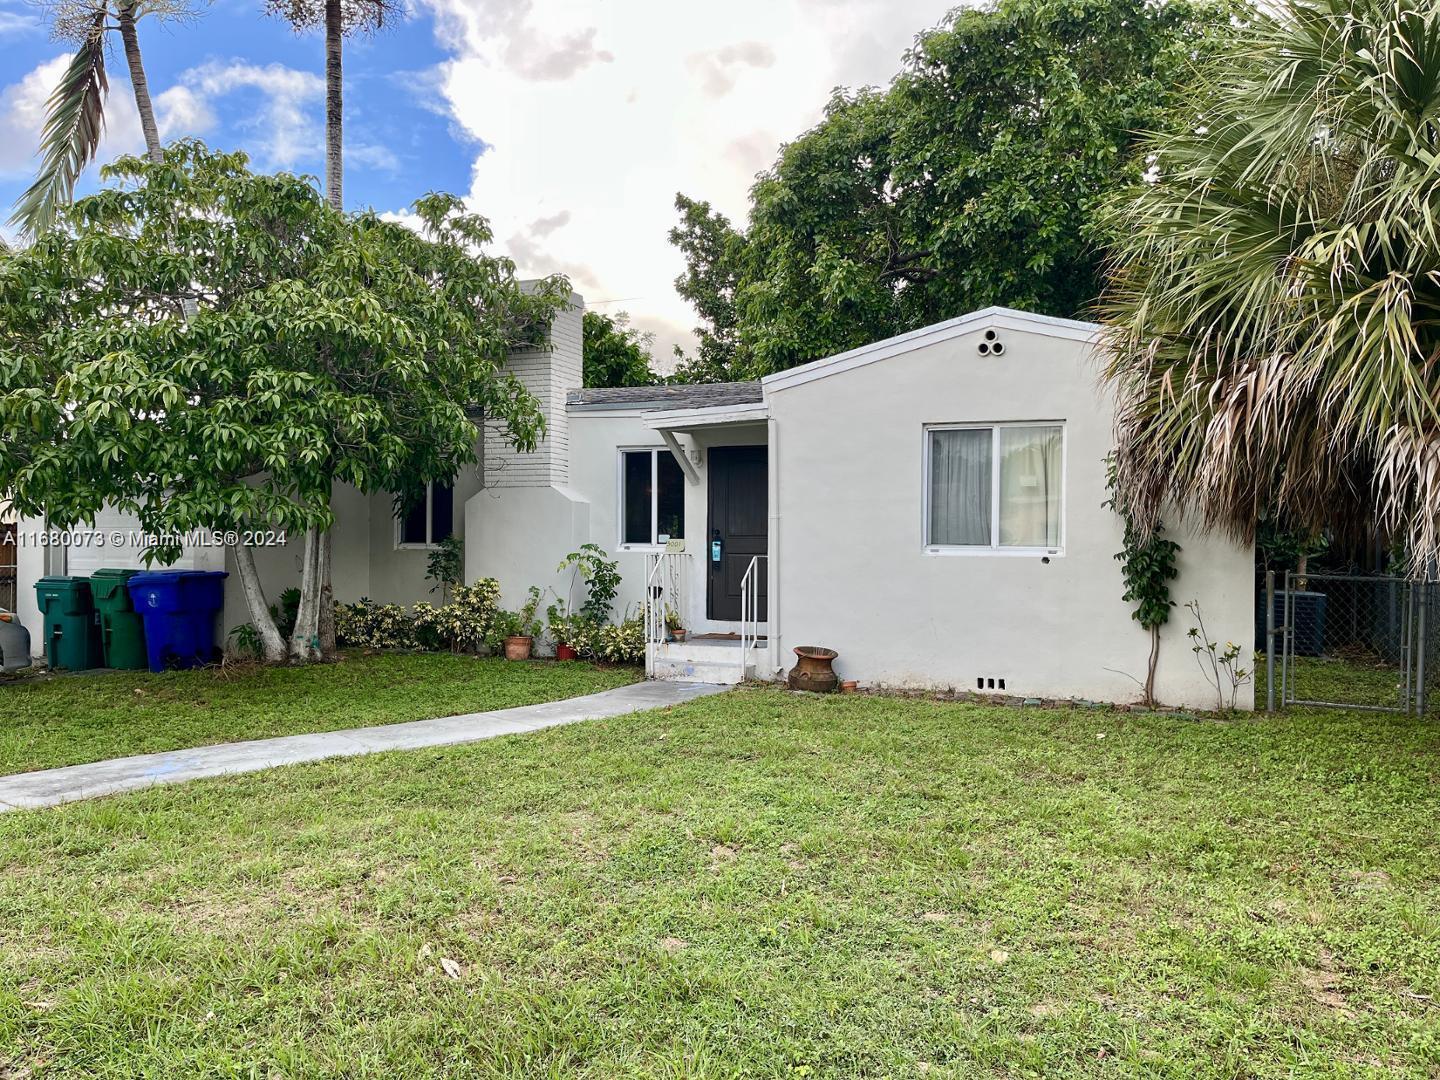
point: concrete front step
(706, 660)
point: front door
(739, 522)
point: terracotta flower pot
(518, 648)
(565, 652)
(678, 635)
(812, 671)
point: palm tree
(1272, 320)
(338, 18)
(315, 620)
(75, 113)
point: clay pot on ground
(813, 670)
(518, 648)
(565, 652)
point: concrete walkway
(49, 787)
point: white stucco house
(930, 506)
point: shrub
(622, 643)
(466, 622)
(462, 625)
(246, 641)
(427, 627)
(369, 625)
(602, 580)
(446, 567)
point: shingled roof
(681, 396)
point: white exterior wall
(848, 458)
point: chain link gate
(1350, 641)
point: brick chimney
(549, 372)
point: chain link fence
(1350, 641)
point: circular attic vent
(992, 345)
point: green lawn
(756, 884)
(68, 719)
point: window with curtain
(430, 519)
(652, 498)
(995, 487)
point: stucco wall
(847, 527)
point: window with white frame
(429, 520)
(652, 498)
(995, 487)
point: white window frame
(993, 548)
(430, 543)
(654, 452)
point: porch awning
(669, 422)
(756, 412)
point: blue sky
(570, 123)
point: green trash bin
(70, 623)
(122, 634)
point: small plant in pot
(568, 632)
(673, 626)
(516, 630)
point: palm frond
(74, 122)
(1273, 308)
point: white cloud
(719, 69)
(285, 131)
(16, 23)
(511, 35)
(697, 99)
(182, 111)
(371, 156)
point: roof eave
(1006, 318)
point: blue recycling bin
(179, 609)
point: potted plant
(673, 625)
(516, 630)
(566, 632)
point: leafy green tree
(1271, 318)
(616, 354)
(713, 250)
(973, 179)
(75, 113)
(320, 348)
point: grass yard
(69, 719)
(755, 884)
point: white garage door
(95, 548)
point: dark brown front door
(739, 522)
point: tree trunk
(138, 82)
(325, 616)
(1150, 670)
(302, 641)
(335, 194)
(334, 98)
(273, 643)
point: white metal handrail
(664, 574)
(654, 612)
(749, 612)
